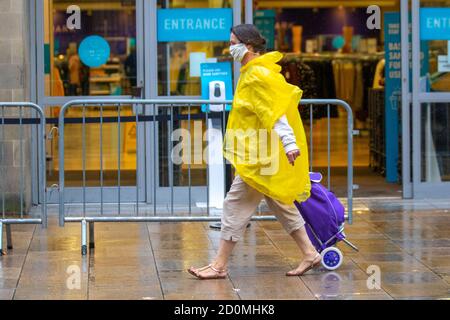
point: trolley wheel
(332, 258)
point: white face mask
(238, 51)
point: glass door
(92, 50)
(431, 99)
(171, 55)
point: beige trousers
(241, 203)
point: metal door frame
(406, 102)
(38, 80)
(422, 189)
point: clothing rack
(335, 56)
(352, 75)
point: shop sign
(265, 22)
(435, 23)
(194, 24)
(94, 51)
(393, 88)
(392, 92)
(217, 84)
(443, 64)
(444, 61)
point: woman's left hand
(292, 155)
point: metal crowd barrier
(163, 112)
(21, 117)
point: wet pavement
(409, 241)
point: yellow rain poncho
(252, 147)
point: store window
(66, 72)
(179, 75)
(330, 53)
(438, 66)
(175, 58)
(435, 128)
(435, 142)
(93, 55)
(435, 41)
(105, 145)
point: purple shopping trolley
(324, 215)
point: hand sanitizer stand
(216, 167)
(216, 172)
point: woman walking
(263, 102)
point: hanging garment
(302, 75)
(325, 85)
(369, 70)
(348, 81)
(337, 79)
(307, 81)
(345, 76)
(262, 97)
(290, 72)
(358, 94)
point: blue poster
(47, 58)
(217, 84)
(194, 24)
(393, 91)
(265, 22)
(393, 88)
(434, 23)
(94, 51)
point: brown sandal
(219, 274)
(313, 264)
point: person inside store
(74, 73)
(263, 102)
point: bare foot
(309, 262)
(208, 272)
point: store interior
(329, 53)
(113, 20)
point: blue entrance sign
(194, 24)
(94, 51)
(435, 23)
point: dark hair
(250, 35)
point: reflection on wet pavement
(410, 246)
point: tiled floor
(408, 240)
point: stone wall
(14, 86)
